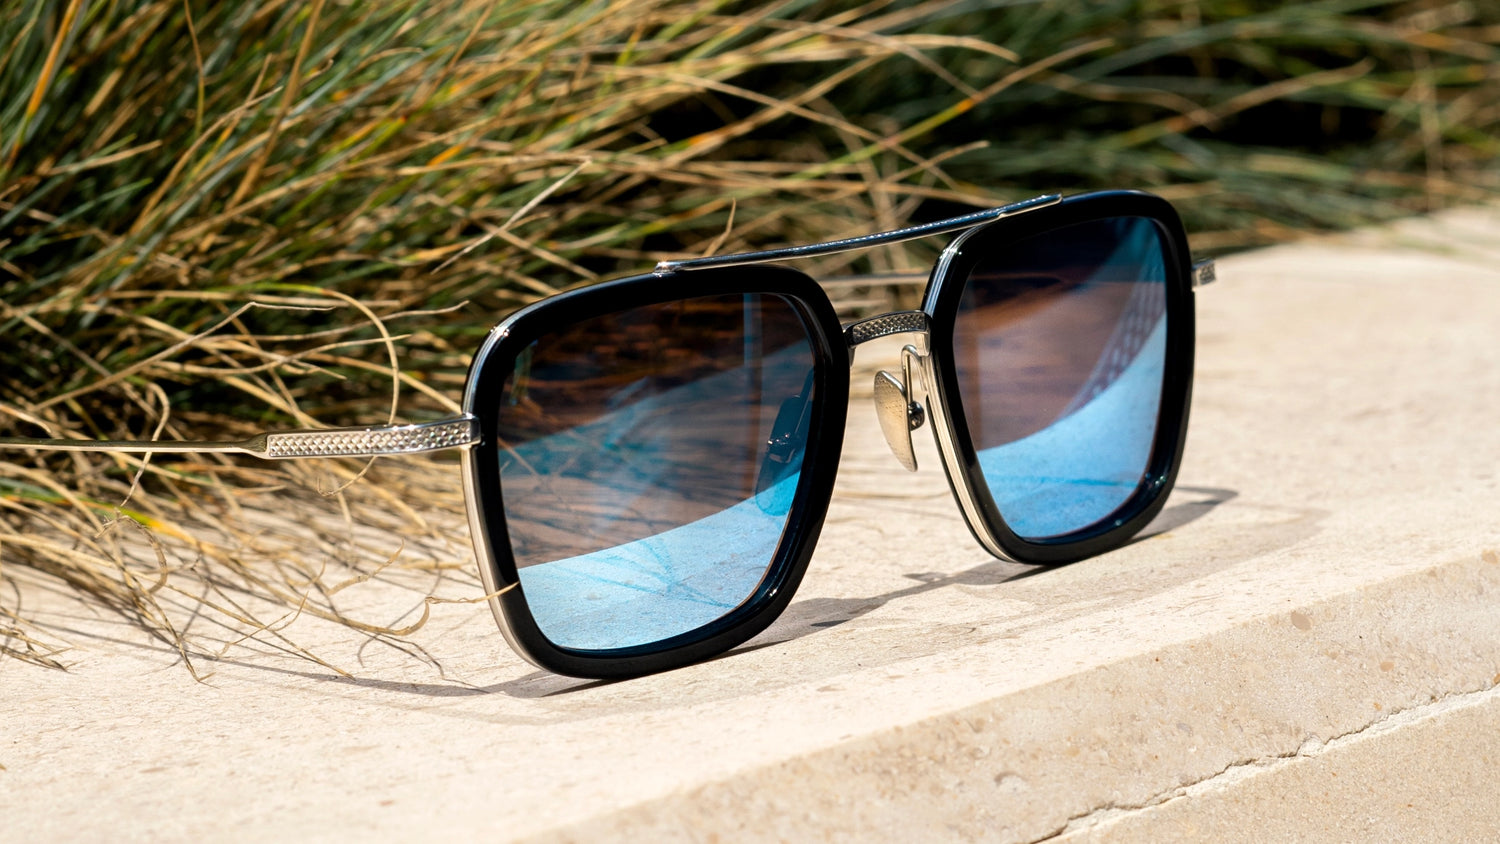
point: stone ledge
(1162, 728)
(1424, 774)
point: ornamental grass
(221, 218)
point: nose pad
(898, 416)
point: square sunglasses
(647, 462)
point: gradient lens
(1060, 345)
(649, 462)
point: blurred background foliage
(221, 217)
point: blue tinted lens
(1060, 345)
(650, 459)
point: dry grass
(217, 218)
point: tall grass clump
(217, 218)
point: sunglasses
(648, 461)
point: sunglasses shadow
(806, 617)
(544, 685)
(1174, 517)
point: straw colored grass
(217, 218)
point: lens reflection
(1060, 345)
(649, 462)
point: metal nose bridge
(899, 322)
(895, 406)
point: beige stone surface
(1305, 644)
(1424, 775)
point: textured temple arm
(329, 442)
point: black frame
(495, 361)
(941, 301)
(832, 352)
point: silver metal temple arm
(458, 432)
(967, 221)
